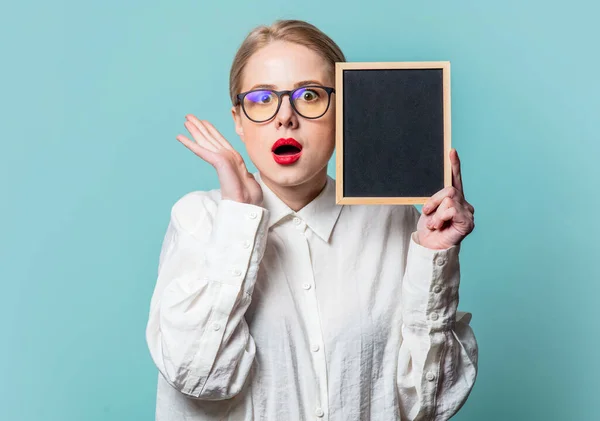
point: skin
(447, 217)
(283, 64)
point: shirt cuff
(430, 287)
(237, 242)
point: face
(283, 65)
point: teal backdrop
(94, 93)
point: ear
(237, 120)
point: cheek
(254, 135)
(327, 131)
(250, 131)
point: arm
(196, 332)
(437, 363)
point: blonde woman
(275, 303)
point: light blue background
(94, 93)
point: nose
(286, 117)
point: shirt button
(430, 376)
(437, 289)
(246, 244)
(297, 221)
(434, 316)
(306, 285)
(319, 412)
(237, 272)
(252, 215)
(314, 347)
(440, 261)
(216, 326)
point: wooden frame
(339, 98)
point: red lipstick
(288, 151)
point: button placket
(312, 315)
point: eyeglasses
(310, 102)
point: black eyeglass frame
(240, 100)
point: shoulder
(408, 215)
(195, 209)
(404, 217)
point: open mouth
(284, 150)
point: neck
(298, 196)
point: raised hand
(236, 182)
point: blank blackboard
(392, 131)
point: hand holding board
(392, 131)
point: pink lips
(286, 159)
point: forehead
(282, 64)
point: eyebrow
(296, 85)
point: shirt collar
(320, 214)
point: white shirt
(332, 312)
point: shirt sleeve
(437, 363)
(196, 332)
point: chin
(289, 175)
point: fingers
(436, 220)
(434, 201)
(454, 192)
(210, 132)
(456, 174)
(201, 135)
(210, 140)
(204, 153)
(218, 136)
(442, 216)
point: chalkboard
(392, 131)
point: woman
(274, 303)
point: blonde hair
(296, 31)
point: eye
(307, 94)
(310, 95)
(260, 97)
